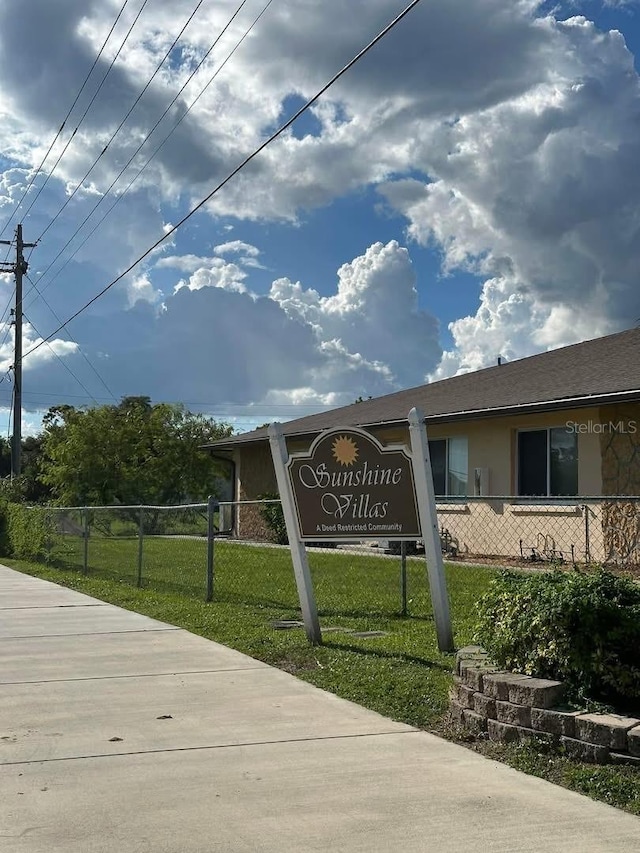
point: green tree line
(134, 452)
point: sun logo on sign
(345, 450)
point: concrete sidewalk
(119, 733)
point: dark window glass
(564, 462)
(438, 454)
(532, 462)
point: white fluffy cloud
(507, 138)
(292, 348)
(373, 319)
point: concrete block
(608, 730)
(484, 705)
(624, 758)
(536, 692)
(582, 751)
(633, 741)
(456, 712)
(502, 732)
(515, 715)
(541, 737)
(496, 684)
(473, 672)
(470, 653)
(473, 722)
(465, 696)
(556, 722)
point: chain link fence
(195, 550)
(562, 531)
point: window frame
(548, 431)
(447, 473)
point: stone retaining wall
(509, 708)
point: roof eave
(465, 415)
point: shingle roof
(581, 374)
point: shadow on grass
(373, 612)
(380, 653)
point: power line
(265, 408)
(64, 121)
(6, 259)
(123, 122)
(82, 353)
(63, 363)
(145, 140)
(238, 168)
(136, 152)
(84, 114)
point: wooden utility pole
(19, 269)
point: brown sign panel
(349, 486)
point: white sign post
(418, 518)
(429, 525)
(298, 550)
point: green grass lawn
(400, 674)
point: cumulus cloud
(506, 137)
(539, 194)
(373, 316)
(292, 348)
(53, 350)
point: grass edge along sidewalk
(399, 674)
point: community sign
(349, 485)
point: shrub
(30, 532)
(273, 517)
(583, 629)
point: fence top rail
(514, 499)
(246, 503)
(121, 506)
(568, 500)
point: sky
(470, 189)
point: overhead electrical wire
(228, 410)
(237, 169)
(64, 121)
(124, 120)
(64, 364)
(145, 140)
(84, 114)
(80, 350)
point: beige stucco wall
(492, 445)
(492, 526)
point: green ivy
(580, 628)
(273, 517)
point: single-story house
(516, 450)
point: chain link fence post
(85, 537)
(140, 541)
(403, 577)
(211, 537)
(587, 544)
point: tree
(132, 453)
(27, 487)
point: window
(547, 462)
(449, 466)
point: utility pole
(19, 269)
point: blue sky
(469, 191)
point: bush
(30, 532)
(273, 517)
(583, 629)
